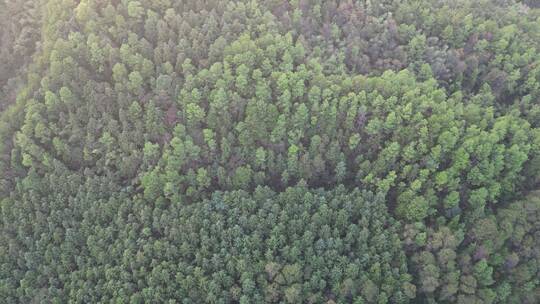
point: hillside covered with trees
(270, 151)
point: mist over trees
(268, 151)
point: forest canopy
(268, 151)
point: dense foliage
(233, 247)
(271, 151)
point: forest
(270, 151)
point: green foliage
(265, 151)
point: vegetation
(269, 151)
